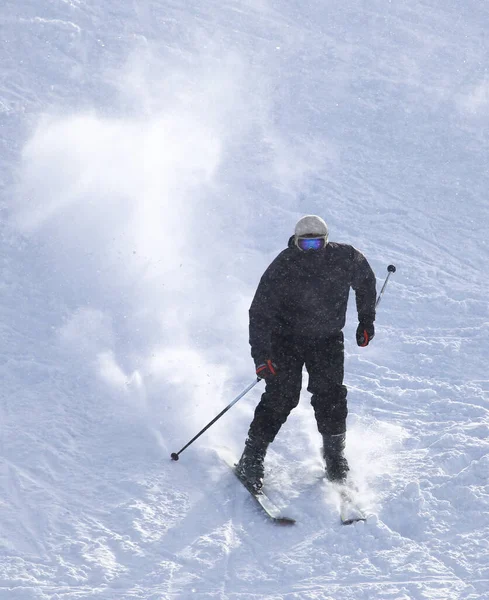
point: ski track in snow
(120, 339)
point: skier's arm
(363, 282)
(263, 314)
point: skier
(296, 319)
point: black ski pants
(324, 361)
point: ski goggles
(312, 243)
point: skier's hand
(266, 369)
(365, 333)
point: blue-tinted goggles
(317, 243)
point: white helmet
(311, 226)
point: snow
(156, 156)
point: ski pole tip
(391, 269)
(174, 456)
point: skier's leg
(325, 364)
(282, 393)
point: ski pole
(391, 269)
(174, 455)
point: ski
(349, 509)
(270, 509)
(350, 512)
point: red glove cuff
(366, 338)
(266, 366)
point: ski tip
(284, 521)
(353, 520)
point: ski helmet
(311, 226)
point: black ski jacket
(305, 295)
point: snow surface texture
(155, 158)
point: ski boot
(336, 464)
(250, 467)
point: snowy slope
(156, 156)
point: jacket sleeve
(363, 282)
(264, 312)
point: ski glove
(365, 332)
(266, 369)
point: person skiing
(295, 319)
